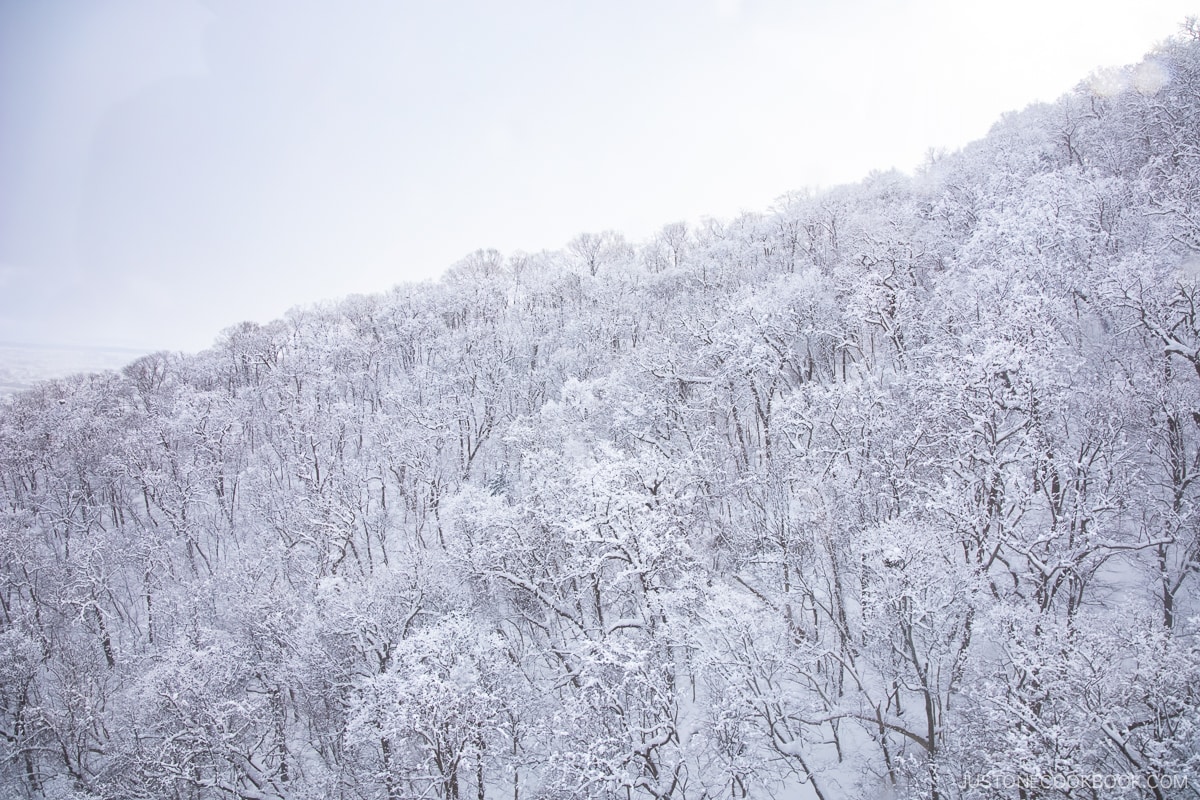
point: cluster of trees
(889, 489)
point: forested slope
(887, 491)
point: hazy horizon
(174, 169)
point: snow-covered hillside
(886, 491)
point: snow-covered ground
(23, 365)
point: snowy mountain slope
(885, 491)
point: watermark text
(1067, 782)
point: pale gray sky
(171, 168)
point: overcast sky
(168, 169)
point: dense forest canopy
(889, 490)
